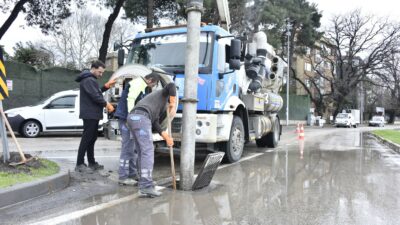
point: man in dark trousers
(144, 118)
(133, 92)
(91, 111)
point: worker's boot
(128, 182)
(149, 192)
(96, 166)
(82, 168)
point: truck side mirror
(121, 57)
(234, 64)
(235, 51)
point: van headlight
(12, 114)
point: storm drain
(208, 169)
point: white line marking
(241, 160)
(84, 212)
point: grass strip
(391, 135)
(9, 179)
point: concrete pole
(288, 27)
(3, 133)
(194, 10)
(362, 102)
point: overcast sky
(379, 8)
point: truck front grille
(176, 125)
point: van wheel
(30, 129)
(233, 148)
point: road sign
(3, 81)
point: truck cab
(230, 111)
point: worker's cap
(169, 90)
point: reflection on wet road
(338, 178)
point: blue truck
(238, 85)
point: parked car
(58, 113)
(377, 121)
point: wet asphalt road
(334, 176)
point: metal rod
(171, 153)
(288, 27)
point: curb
(388, 143)
(26, 191)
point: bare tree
(360, 46)
(389, 83)
(81, 35)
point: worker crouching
(144, 118)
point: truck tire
(270, 140)
(233, 148)
(30, 129)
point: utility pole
(194, 10)
(288, 28)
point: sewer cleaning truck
(238, 85)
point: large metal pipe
(189, 100)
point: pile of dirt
(23, 168)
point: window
(65, 102)
(307, 66)
(308, 50)
(308, 84)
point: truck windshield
(169, 51)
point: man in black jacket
(91, 111)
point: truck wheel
(233, 148)
(30, 129)
(270, 140)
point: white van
(58, 113)
(345, 120)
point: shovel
(22, 155)
(171, 154)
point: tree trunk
(107, 31)
(150, 14)
(14, 14)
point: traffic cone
(298, 128)
(301, 133)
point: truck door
(61, 114)
(225, 85)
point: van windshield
(341, 116)
(377, 118)
(169, 51)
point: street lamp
(288, 33)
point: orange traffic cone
(301, 133)
(298, 128)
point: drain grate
(208, 169)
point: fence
(29, 85)
(299, 107)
